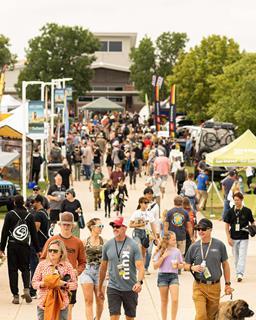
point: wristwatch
(228, 283)
(140, 282)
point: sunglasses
(202, 229)
(53, 250)
(99, 225)
(146, 202)
(116, 227)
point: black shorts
(72, 298)
(116, 298)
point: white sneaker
(239, 278)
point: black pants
(107, 206)
(179, 186)
(35, 175)
(18, 259)
(132, 176)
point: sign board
(69, 92)
(59, 97)
(36, 117)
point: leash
(231, 296)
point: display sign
(59, 97)
(69, 92)
(36, 117)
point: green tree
(143, 67)
(6, 57)
(234, 97)
(58, 52)
(194, 70)
(158, 59)
(168, 47)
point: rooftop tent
(239, 153)
(102, 104)
(8, 102)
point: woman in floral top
(53, 277)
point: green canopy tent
(239, 153)
(102, 105)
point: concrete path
(149, 301)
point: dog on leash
(234, 310)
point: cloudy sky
(21, 19)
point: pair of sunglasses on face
(202, 229)
(116, 227)
(53, 250)
(99, 226)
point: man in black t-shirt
(236, 220)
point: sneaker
(239, 278)
(27, 296)
(16, 299)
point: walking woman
(131, 169)
(168, 259)
(140, 221)
(89, 279)
(71, 204)
(108, 195)
(109, 161)
(53, 279)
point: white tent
(7, 158)
(8, 103)
(15, 121)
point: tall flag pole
(172, 115)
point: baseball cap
(204, 223)
(119, 222)
(36, 188)
(66, 217)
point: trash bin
(53, 168)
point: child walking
(168, 259)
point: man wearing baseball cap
(206, 258)
(124, 257)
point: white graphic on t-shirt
(126, 264)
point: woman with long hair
(168, 259)
(89, 279)
(140, 221)
(53, 279)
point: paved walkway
(149, 301)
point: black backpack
(55, 155)
(121, 154)
(50, 231)
(21, 232)
(180, 175)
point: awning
(7, 157)
(239, 153)
(8, 132)
(102, 104)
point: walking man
(206, 259)
(124, 259)
(236, 219)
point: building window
(115, 46)
(103, 46)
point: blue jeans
(87, 171)
(240, 252)
(148, 255)
(63, 314)
(226, 208)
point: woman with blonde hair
(89, 279)
(168, 259)
(53, 279)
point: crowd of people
(112, 152)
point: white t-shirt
(249, 172)
(155, 184)
(189, 188)
(154, 209)
(143, 215)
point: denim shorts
(90, 274)
(166, 279)
(141, 237)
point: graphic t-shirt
(177, 219)
(129, 254)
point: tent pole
(212, 215)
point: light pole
(24, 134)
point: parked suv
(7, 191)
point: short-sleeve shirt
(56, 191)
(189, 188)
(166, 266)
(143, 215)
(177, 219)
(227, 184)
(97, 180)
(129, 254)
(42, 217)
(216, 255)
(241, 217)
(202, 180)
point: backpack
(55, 155)
(180, 175)
(120, 154)
(20, 232)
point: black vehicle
(7, 191)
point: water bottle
(203, 264)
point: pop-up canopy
(239, 153)
(102, 105)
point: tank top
(93, 253)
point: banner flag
(36, 117)
(172, 115)
(59, 96)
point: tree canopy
(6, 57)
(159, 58)
(193, 72)
(234, 97)
(58, 52)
